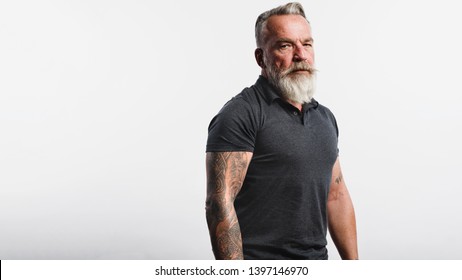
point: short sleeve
(334, 123)
(331, 121)
(234, 128)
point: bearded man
(274, 182)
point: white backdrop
(104, 108)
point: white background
(104, 108)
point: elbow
(212, 210)
(208, 208)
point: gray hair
(293, 8)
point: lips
(309, 71)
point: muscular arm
(341, 216)
(225, 175)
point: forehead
(287, 26)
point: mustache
(300, 66)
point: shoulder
(247, 98)
(325, 111)
(327, 114)
(235, 126)
(245, 105)
(255, 97)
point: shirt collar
(271, 93)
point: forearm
(342, 227)
(225, 233)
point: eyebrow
(287, 40)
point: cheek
(283, 62)
(311, 58)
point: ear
(259, 58)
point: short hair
(293, 8)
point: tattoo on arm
(339, 179)
(225, 175)
(336, 191)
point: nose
(300, 53)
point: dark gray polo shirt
(281, 207)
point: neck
(295, 104)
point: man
(274, 182)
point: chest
(300, 140)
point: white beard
(295, 87)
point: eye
(285, 47)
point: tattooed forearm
(227, 241)
(225, 175)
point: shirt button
(295, 113)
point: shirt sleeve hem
(228, 149)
